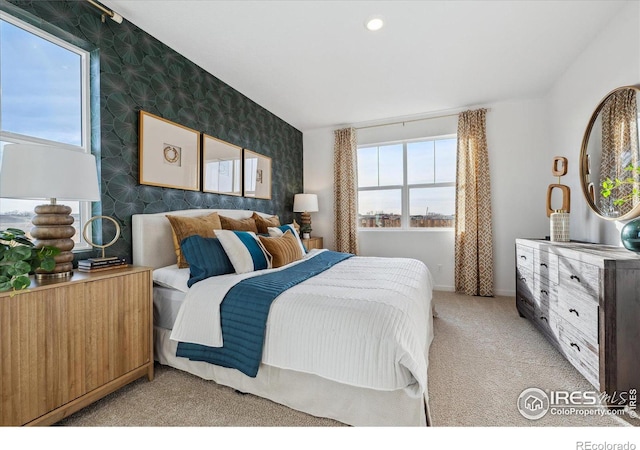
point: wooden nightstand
(66, 344)
(313, 242)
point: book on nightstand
(98, 264)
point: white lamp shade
(305, 203)
(41, 172)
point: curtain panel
(619, 144)
(345, 190)
(473, 231)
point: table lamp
(34, 172)
(305, 203)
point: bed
(323, 354)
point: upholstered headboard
(152, 235)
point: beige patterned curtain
(473, 233)
(619, 144)
(345, 190)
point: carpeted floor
(483, 356)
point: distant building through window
(45, 89)
(407, 184)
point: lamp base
(305, 220)
(52, 227)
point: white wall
(523, 137)
(610, 61)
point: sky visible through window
(428, 162)
(41, 85)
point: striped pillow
(279, 231)
(244, 250)
(284, 249)
(206, 258)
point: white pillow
(244, 249)
(279, 231)
(172, 277)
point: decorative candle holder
(559, 226)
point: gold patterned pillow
(263, 223)
(284, 249)
(183, 227)
(238, 224)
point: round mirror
(610, 158)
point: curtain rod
(414, 120)
(106, 12)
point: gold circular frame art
(101, 246)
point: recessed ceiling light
(374, 23)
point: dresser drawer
(545, 265)
(580, 312)
(545, 293)
(524, 258)
(582, 354)
(548, 321)
(580, 279)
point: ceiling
(313, 63)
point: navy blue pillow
(206, 258)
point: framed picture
(169, 154)
(221, 166)
(257, 175)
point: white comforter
(366, 322)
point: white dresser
(585, 298)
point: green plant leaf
(21, 282)
(19, 268)
(48, 263)
(5, 285)
(18, 253)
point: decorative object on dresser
(304, 204)
(630, 235)
(585, 298)
(91, 335)
(610, 152)
(559, 217)
(100, 264)
(54, 173)
(19, 258)
(169, 153)
(89, 240)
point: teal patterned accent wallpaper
(139, 72)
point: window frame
(405, 216)
(84, 207)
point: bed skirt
(305, 392)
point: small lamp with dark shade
(305, 203)
(56, 173)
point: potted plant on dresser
(19, 257)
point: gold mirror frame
(588, 189)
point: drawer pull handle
(544, 291)
(574, 311)
(523, 257)
(573, 344)
(544, 318)
(575, 277)
(523, 279)
(544, 265)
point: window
(45, 87)
(409, 184)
